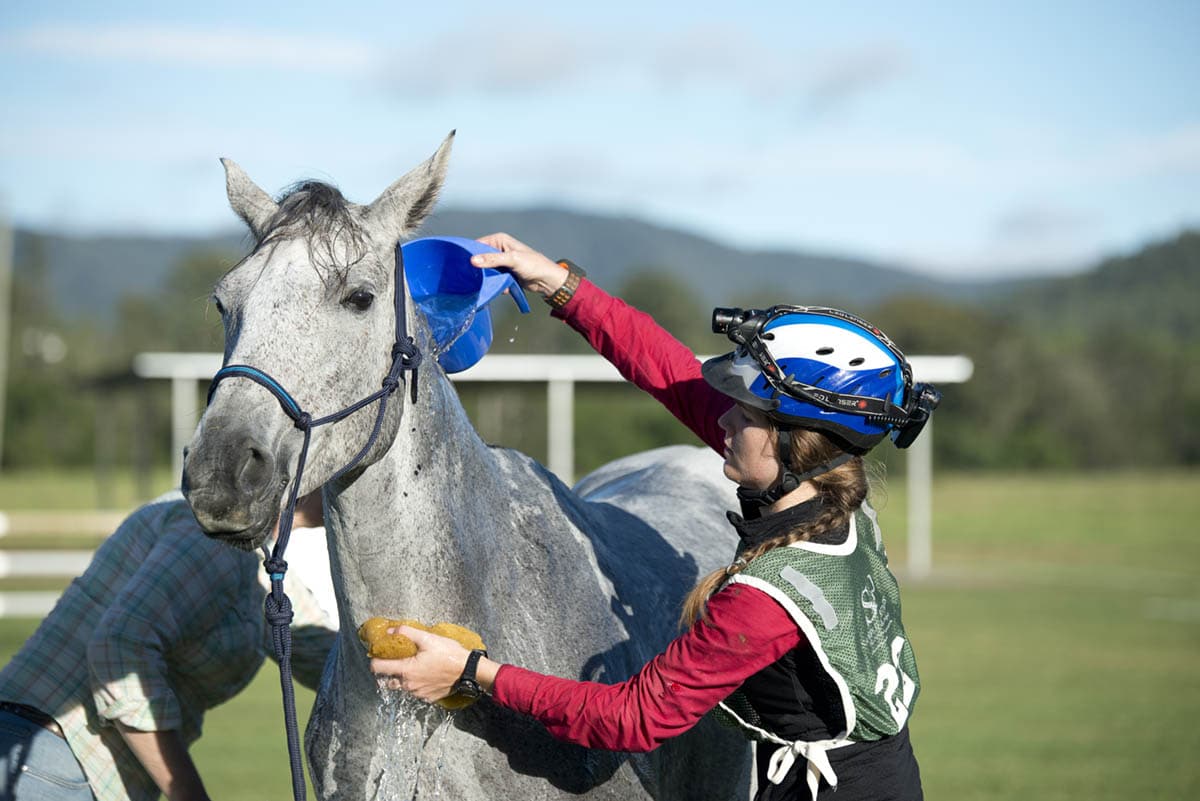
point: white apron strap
(816, 753)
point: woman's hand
(533, 271)
(431, 674)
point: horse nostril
(255, 470)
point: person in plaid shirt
(106, 696)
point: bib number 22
(895, 685)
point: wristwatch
(466, 685)
(567, 290)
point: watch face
(467, 688)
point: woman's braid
(842, 491)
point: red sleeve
(746, 630)
(649, 357)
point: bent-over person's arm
(182, 636)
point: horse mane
(327, 221)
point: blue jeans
(37, 765)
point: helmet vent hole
(825, 351)
(856, 361)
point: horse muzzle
(235, 485)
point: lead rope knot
(405, 356)
(409, 353)
(278, 611)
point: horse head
(314, 295)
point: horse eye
(360, 299)
(219, 306)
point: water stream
(410, 747)
(449, 317)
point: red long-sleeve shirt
(745, 630)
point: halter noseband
(406, 357)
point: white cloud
(1001, 261)
(505, 55)
(211, 47)
(886, 158)
(1171, 151)
(579, 175)
(1024, 169)
(532, 56)
(1042, 223)
(706, 55)
(732, 56)
(844, 76)
(486, 57)
(1048, 236)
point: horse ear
(404, 205)
(251, 203)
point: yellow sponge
(381, 645)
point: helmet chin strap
(788, 481)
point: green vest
(847, 603)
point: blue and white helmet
(823, 369)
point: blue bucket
(454, 296)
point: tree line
(1094, 371)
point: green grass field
(80, 489)
(1058, 641)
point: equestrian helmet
(823, 369)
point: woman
(799, 641)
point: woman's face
(750, 457)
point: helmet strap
(754, 501)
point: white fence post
(185, 370)
(920, 503)
(7, 244)
(183, 418)
(560, 428)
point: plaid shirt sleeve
(184, 588)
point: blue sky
(969, 139)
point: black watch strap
(565, 292)
(467, 685)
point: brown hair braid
(842, 491)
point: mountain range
(89, 274)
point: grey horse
(436, 525)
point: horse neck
(405, 533)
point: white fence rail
(559, 373)
(43, 563)
(46, 564)
(27, 604)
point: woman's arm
(644, 353)
(744, 632)
(649, 357)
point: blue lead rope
(406, 356)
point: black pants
(882, 770)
